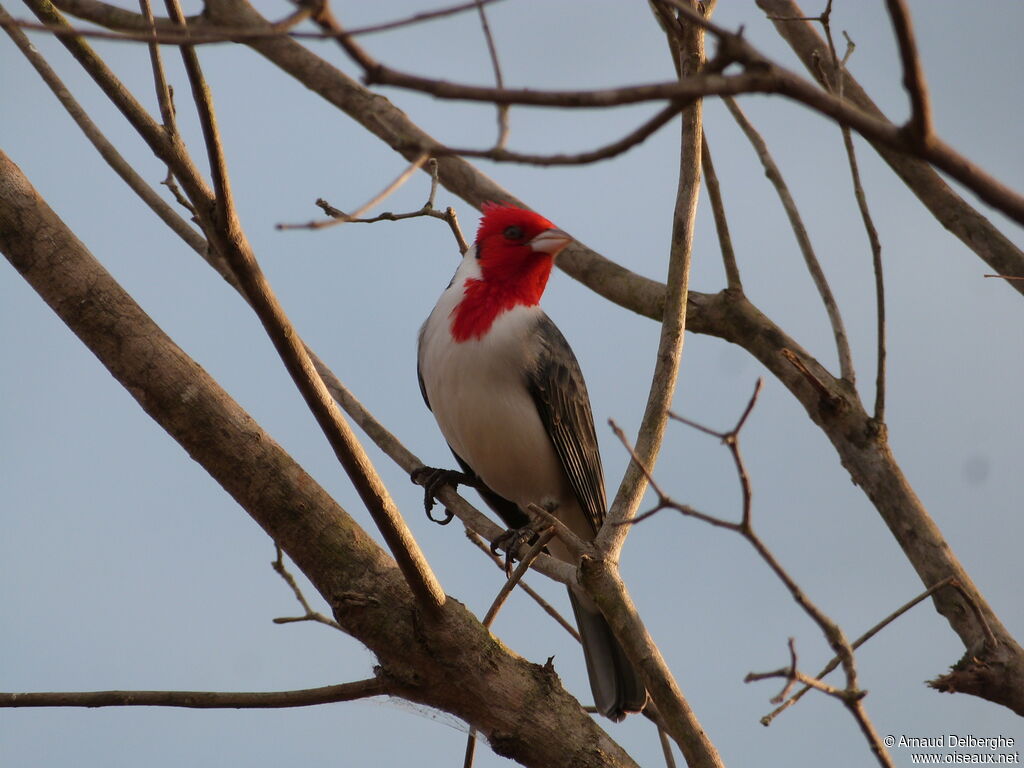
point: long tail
(614, 682)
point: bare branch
(665, 501)
(367, 592)
(600, 575)
(503, 126)
(876, 261)
(836, 83)
(517, 575)
(163, 95)
(949, 208)
(106, 150)
(200, 33)
(310, 615)
(635, 137)
(732, 271)
(307, 697)
(762, 76)
(673, 322)
(225, 231)
(224, 205)
(428, 209)
(666, 748)
(851, 695)
(920, 123)
(403, 177)
(846, 370)
(534, 595)
(767, 719)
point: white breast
(478, 392)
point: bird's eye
(513, 233)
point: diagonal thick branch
(437, 663)
(219, 221)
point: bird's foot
(514, 541)
(432, 478)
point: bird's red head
(515, 249)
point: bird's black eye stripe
(513, 233)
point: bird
(509, 397)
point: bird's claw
(513, 541)
(432, 478)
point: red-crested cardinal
(509, 397)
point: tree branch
(846, 370)
(732, 271)
(307, 697)
(762, 76)
(949, 209)
(106, 150)
(600, 575)
(920, 124)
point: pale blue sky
(125, 566)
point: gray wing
(557, 387)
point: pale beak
(550, 241)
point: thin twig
(876, 261)
(467, 760)
(732, 271)
(106, 150)
(163, 95)
(306, 697)
(920, 123)
(851, 694)
(664, 501)
(534, 595)
(428, 209)
(774, 175)
(767, 719)
(404, 176)
(761, 76)
(209, 34)
(614, 149)
(517, 575)
(838, 80)
(310, 615)
(503, 594)
(793, 676)
(666, 748)
(224, 209)
(503, 124)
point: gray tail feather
(616, 686)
